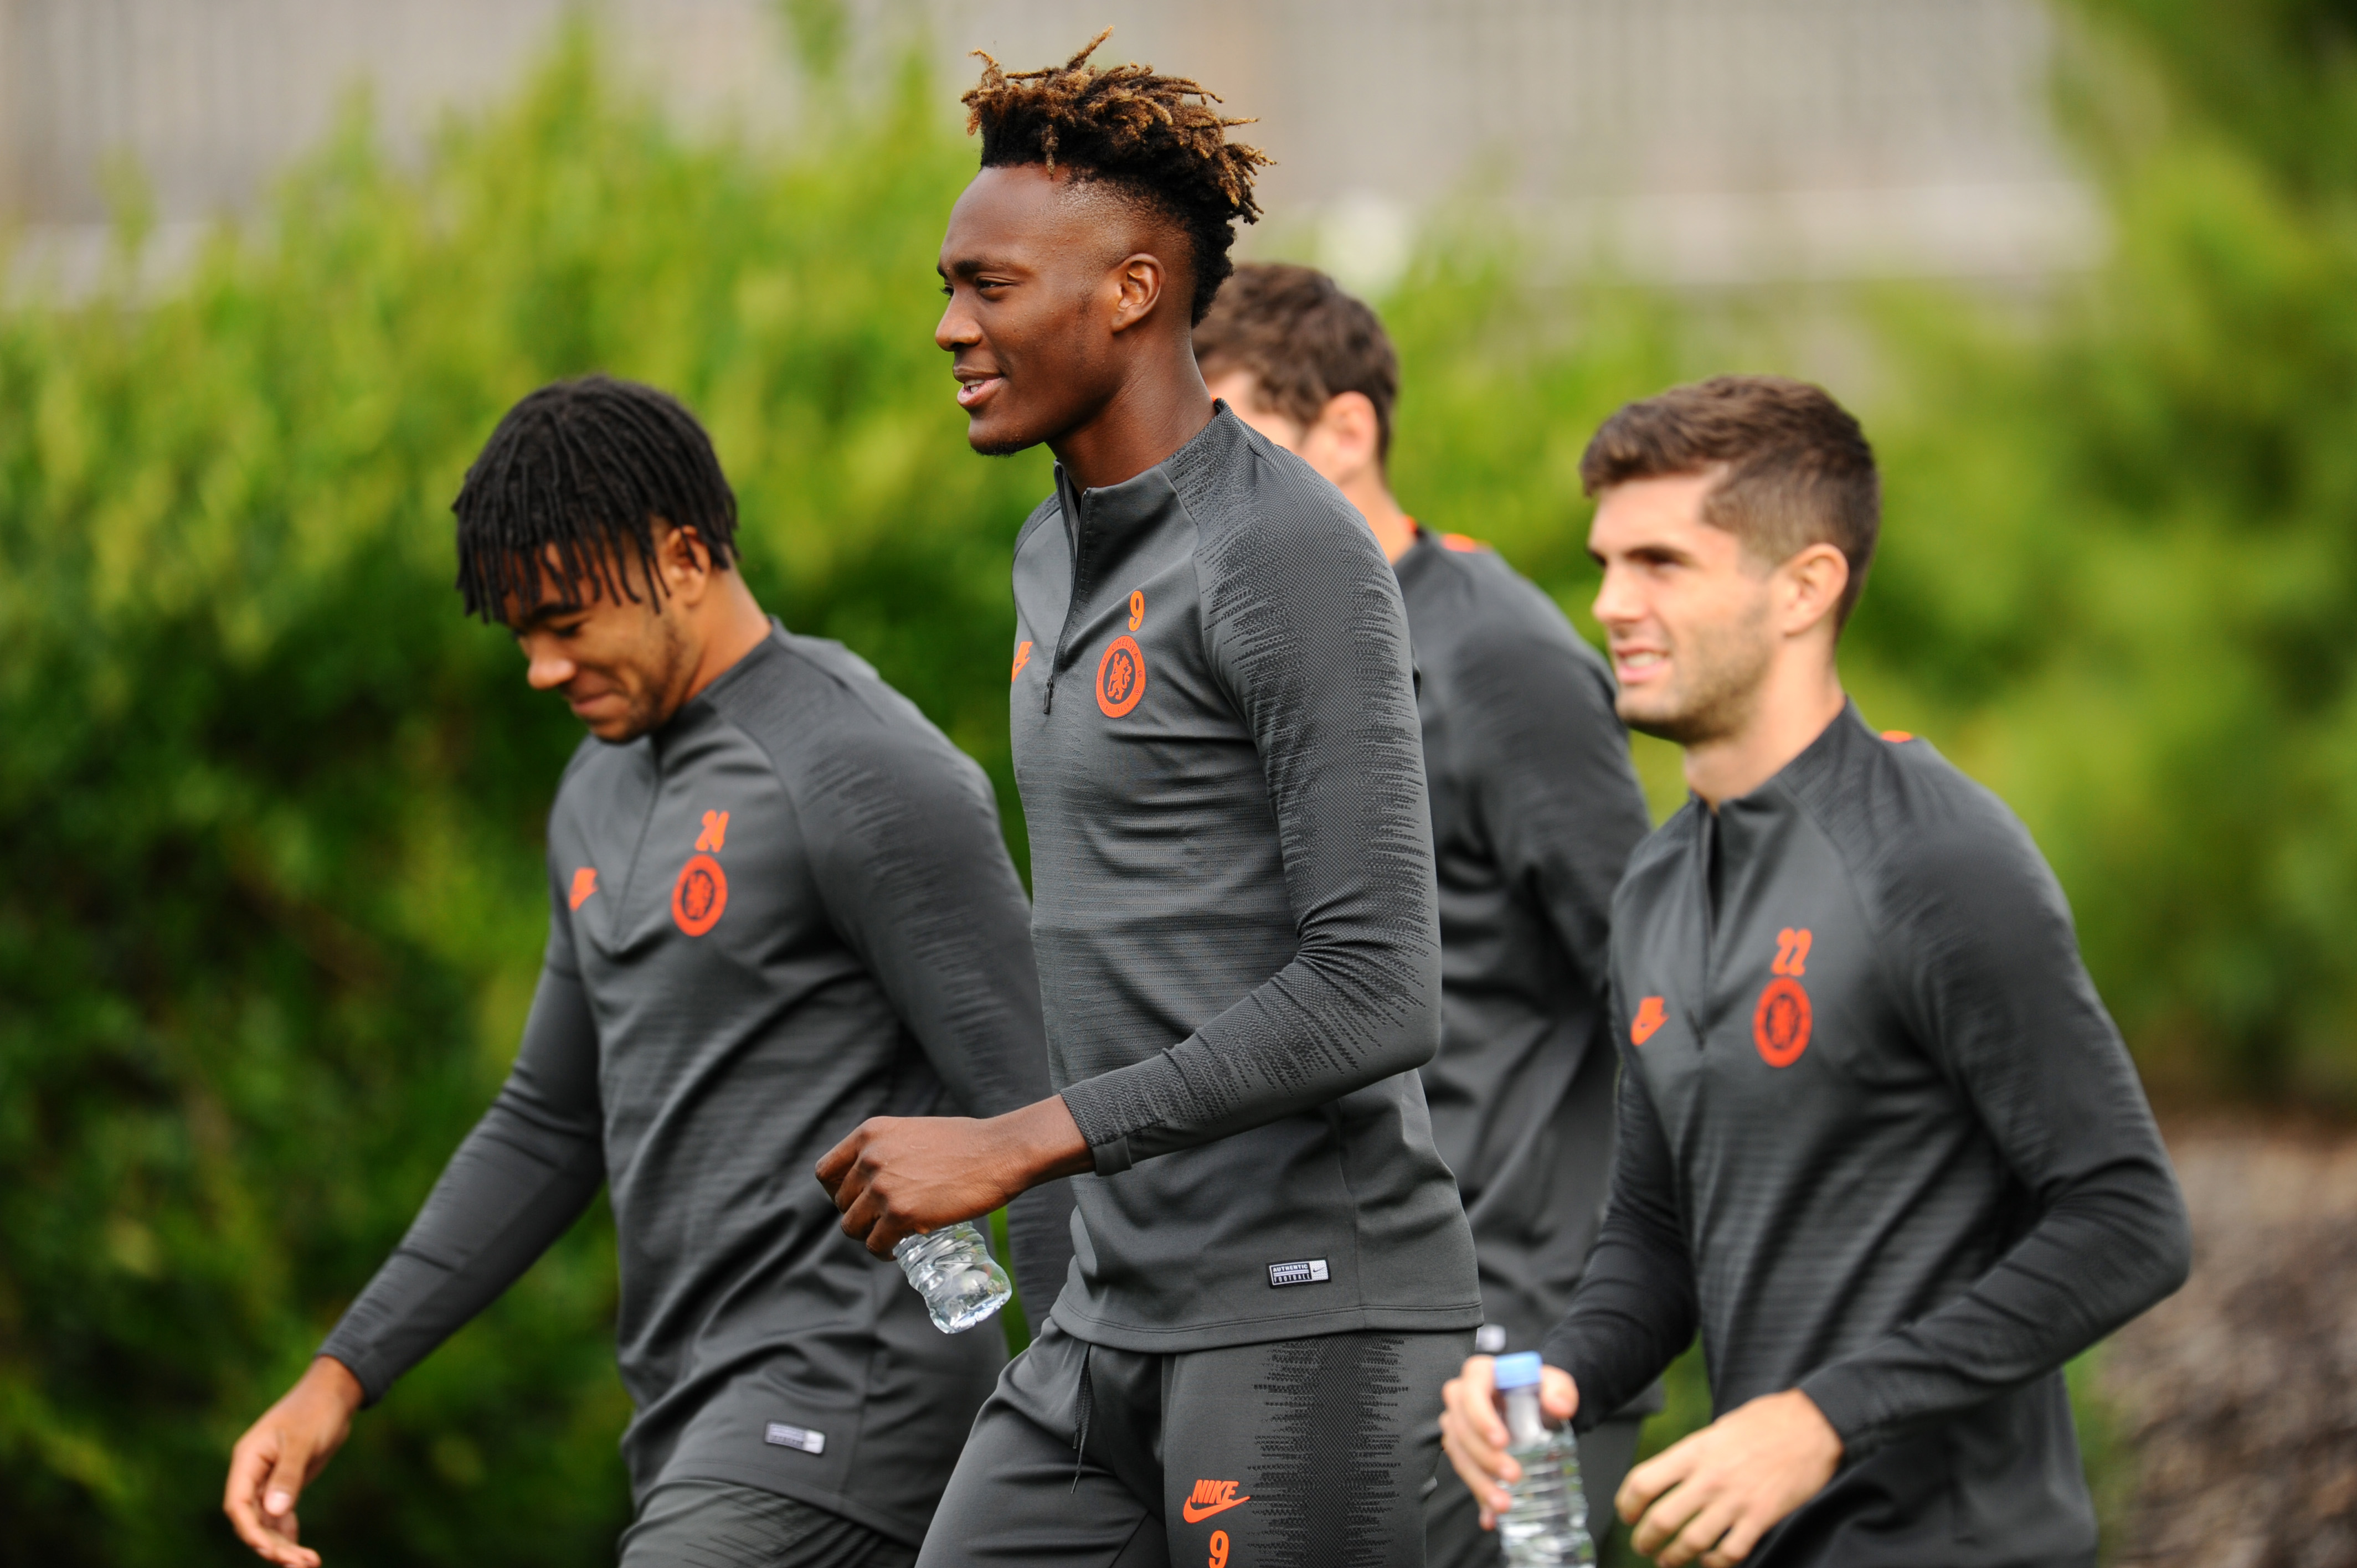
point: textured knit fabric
(1215, 734)
(1307, 1452)
(788, 910)
(1880, 1140)
(717, 1524)
(1534, 809)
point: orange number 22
(1791, 952)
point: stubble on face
(1718, 669)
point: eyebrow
(540, 615)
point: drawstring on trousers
(1080, 1424)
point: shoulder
(1918, 834)
(1475, 619)
(820, 714)
(592, 770)
(1655, 866)
(1257, 508)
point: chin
(1000, 438)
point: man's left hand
(1710, 1496)
(897, 1176)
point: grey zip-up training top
(1534, 809)
(1880, 1140)
(1215, 734)
(788, 910)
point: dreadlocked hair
(1155, 139)
(584, 467)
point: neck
(1161, 406)
(1394, 528)
(1797, 701)
(736, 626)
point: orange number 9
(1219, 1548)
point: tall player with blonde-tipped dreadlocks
(778, 903)
(1215, 731)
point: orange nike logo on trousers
(1210, 1497)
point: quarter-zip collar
(1102, 526)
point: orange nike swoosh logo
(1194, 1515)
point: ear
(1808, 589)
(685, 561)
(1139, 280)
(1349, 432)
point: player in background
(779, 903)
(1215, 732)
(1878, 1139)
(1534, 809)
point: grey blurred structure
(1693, 141)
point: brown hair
(1304, 340)
(1796, 468)
(1155, 139)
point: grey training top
(788, 910)
(1534, 809)
(1880, 1140)
(1215, 734)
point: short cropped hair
(1303, 340)
(584, 467)
(1795, 468)
(1153, 139)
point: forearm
(521, 1177)
(2094, 1260)
(497, 1207)
(1632, 1313)
(1634, 1309)
(1310, 1035)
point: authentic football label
(784, 1436)
(1308, 1271)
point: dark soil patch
(2239, 1395)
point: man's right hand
(1475, 1434)
(280, 1454)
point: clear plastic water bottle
(953, 1271)
(1547, 1525)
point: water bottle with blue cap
(1548, 1523)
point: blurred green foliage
(270, 810)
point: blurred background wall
(1691, 140)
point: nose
(1616, 599)
(545, 667)
(957, 328)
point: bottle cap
(1521, 1371)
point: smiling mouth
(1640, 664)
(972, 389)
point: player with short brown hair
(1880, 1143)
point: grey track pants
(717, 1524)
(1300, 1452)
(1453, 1536)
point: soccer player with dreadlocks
(1534, 809)
(778, 904)
(1215, 732)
